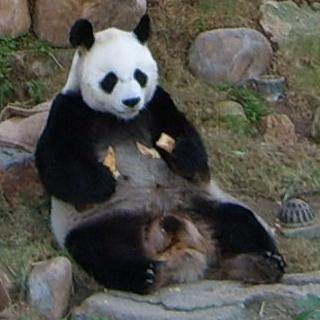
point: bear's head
(113, 69)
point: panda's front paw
(188, 161)
(150, 274)
(101, 186)
(147, 276)
(106, 189)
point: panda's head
(113, 69)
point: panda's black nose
(131, 102)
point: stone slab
(219, 300)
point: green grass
(222, 6)
(311, 307)
(303, 63)
(36, 89)
(7, 47)
(246, 165)
(253, 104)
(239, 126)
(254, 107)
(6, 91)
(10, 82)
(24, 238)
(41, 46)
(201, 24)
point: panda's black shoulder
(161, 101)
(68, 113)
(69, 105)
(166, 116)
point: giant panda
(161, 220)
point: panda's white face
(117, 74)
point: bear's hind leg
(110, 249)
(246, 246)
(251, 268)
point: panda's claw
(150, 272)
(275, 259)
(268, 254)
(150, 276)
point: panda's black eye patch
(109, 81)
(141, 77)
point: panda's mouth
(128, 113)
(131, 111)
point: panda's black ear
(81, 34)
(143, 29)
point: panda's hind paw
(275, 259)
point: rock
(316, 6)
(53, 19)
(229, 108)
(49, 287)
(9, 156)
(278, 129)
(315, 127)
(18, 176)
(230, 55)
(308, 232)
(223, 300)
(21, 128)
(271, 87)
(14, 17)
(277, 20)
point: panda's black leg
(247, 250)
(250, 268)
(110, 249)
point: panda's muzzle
(131, 103)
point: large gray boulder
(285, 20)
(14, 17)
(230, 55)
(52, 19)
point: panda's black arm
(65, 158)
(188, 158)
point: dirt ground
(242, 163)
